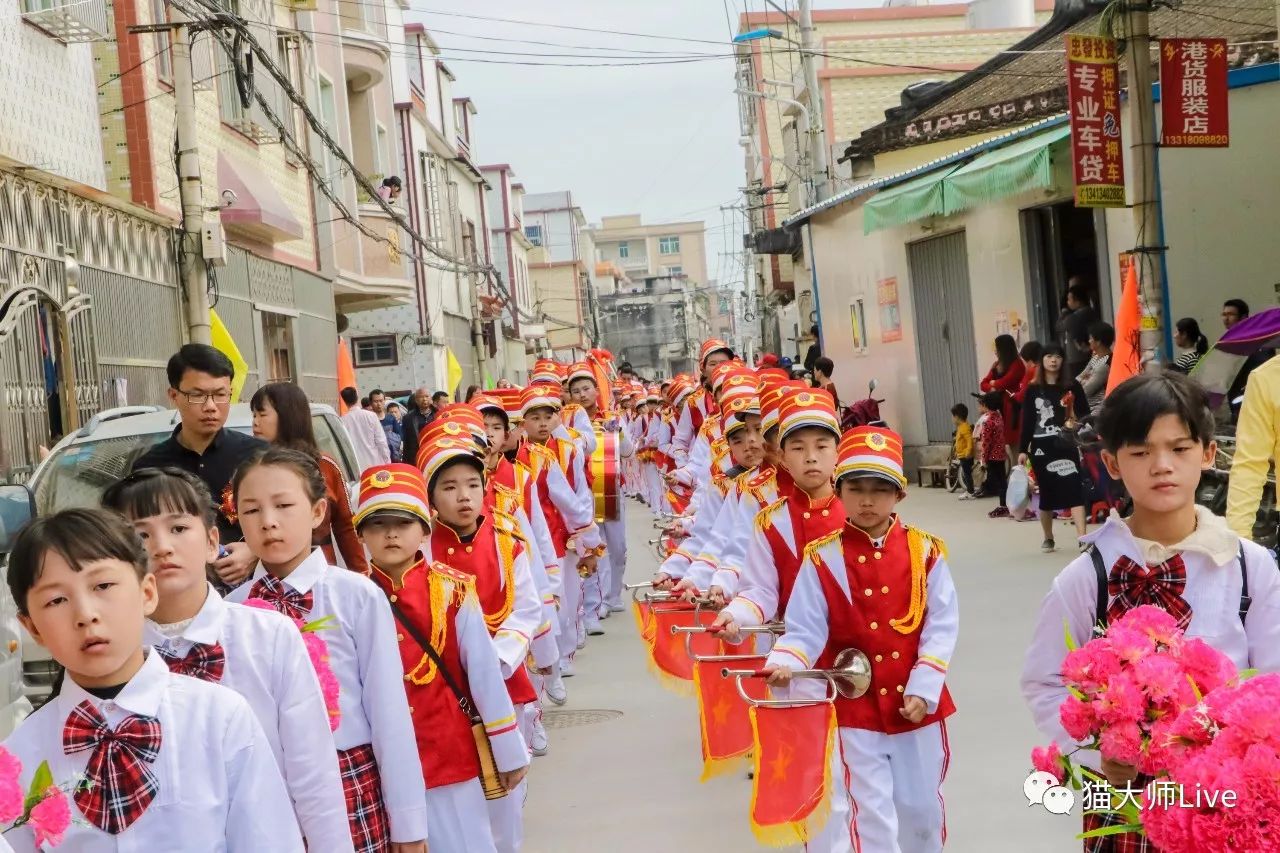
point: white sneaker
(616, 608)
(538, 739)
(556, 691)
(566, 669)
(593, 630)
(582, 642)
(604, 611)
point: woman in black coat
(1053, 405)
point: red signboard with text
(1193, 93)
(1093, 90)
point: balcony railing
(69, 21)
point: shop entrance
(1063, 244)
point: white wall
(50, 116)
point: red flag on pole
(723, 715)
(791, 792)
(1126, 357)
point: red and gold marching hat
(773, 375)
(709, 346)
(446, 448)
(654, 394)
(811, 407)
(581, 370)
(538, 395)
(396, 489)
(771, 396)
(458, 419)
(508, 399)
(547, 370)
(739, 397)
(868, 451)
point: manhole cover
(570, 719)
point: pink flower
(1121, 742)
(1121, 701)
(11, 796)
(1208, 667)
(1129, 643)
(1049, 759)
(1078, 718)
(259, 603)
(1090, 666)
(1159, 677)
(50, 818)
(318, 651)
(1155, 623)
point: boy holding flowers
(1169, 554)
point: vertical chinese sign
(1093, 89)
(890, 316)
(1193, 93)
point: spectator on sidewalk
(1074, 327)
(1257, 444)
(1094, 377)
(1054, 406)
(1233, 311)
(814, 352)
(365, 431)
(390, 424)
(1030, 355)
(822, 370)
(963, 446)
(989, 438)
(1005, 377)
(1187, 336)
(422, 411)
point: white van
(76, 473)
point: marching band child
(279, 498)
(881, 586)
(257, 653)
(198, 771)
(1157, 436)
(809, 435)
(447, 656)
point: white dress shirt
(367, 438)
(220, 790)
(365, 658)
(267, 664)
(756, 600)
(1212, 590)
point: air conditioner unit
(423, 340)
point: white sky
(661, 140)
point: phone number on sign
(1220, 140)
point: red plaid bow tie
(290, 602)
(1133, 585)
(203, 661)
(119, 782)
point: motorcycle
(864, 412)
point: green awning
(1023, 165)
(916, 199)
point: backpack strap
(1245, 599)
(1100, 569)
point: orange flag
(644, 622)
(791, 791)
(346, 373)
(722, 713)
(1126, 358)
(671, 659)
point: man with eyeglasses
(200, 388)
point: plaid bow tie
(290, 602)
(204, 661)
(1133, 585)
(119, 782)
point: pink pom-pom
(50, 818)
(259, 603)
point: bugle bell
(850, 673)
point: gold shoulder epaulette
(939, 546)
(817, 545)
(764, 518)
(452, 574)
(508, 524)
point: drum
(606, 477)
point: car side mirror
(17, 508)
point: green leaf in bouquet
(1076, 692)
(1118, 829)
(1246, 674)
(1072, 645)
(40, 782)
(324, 623)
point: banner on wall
(1093, 93)
(1193, 93)
(890, 315)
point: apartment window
(160, 40)
(673, 270)
(669, 245)
(375, 351)
(624, 251)
(329, 120)
(534, 233)
(380, 152)
(277, 340)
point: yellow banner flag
(454, 371)
(222, 342)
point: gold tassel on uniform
(920, 545)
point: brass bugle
(637, 585)
(671, 597)
(850, 673)
(775, 628)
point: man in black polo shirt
(200, 388)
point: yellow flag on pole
(224, 344)
(453, 370)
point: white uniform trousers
(887, 792)
(615, 539)
(506, 819)
(570, 606)
(458, 819)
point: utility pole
(817, 131)
(1149, 255)
(195, 286)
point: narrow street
(623, 770)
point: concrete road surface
(622, 773)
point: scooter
(863, 412)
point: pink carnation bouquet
(1176, 708)
(43, 807)
(318, 651)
